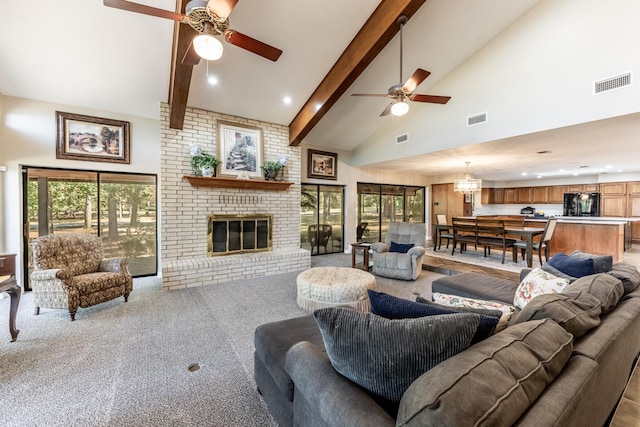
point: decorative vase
(270, 175)
(208, 171)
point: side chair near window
(400, 256)
(70, 272)
(319, 235)
(542, 244)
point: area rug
(476, 257)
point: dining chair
(542, 244)
(441, 219)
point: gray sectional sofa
(557, 380)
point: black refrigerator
(581, 204)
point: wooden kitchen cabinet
(556, 194)
(540, 194)
(524, 195)
(573, 188)
(613, 189)
(511, 195)
(492, 196)
(613, 206)
(633, 188)
(590, 188)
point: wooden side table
(357, 247)
(8, 284)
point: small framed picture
(92, 138)
(322, 164)
(468, 198)
(239, 150)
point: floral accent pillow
(458, 301)
(537, 282)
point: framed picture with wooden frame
(93, 139)
(322, 164)
(239, 150)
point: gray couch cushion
(491, 383)
(628, 275)
(385, 356)
(474, 285)
(606, 288)
(576, 316)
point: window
(119, 207)
(322, 218)
(381, 204)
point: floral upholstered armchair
(69, 272)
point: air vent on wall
(402, 138)
(476, 119)
(612, 83)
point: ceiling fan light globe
(208, 47)
(400, 108)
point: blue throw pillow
(391, 307)
(400, 247)
(572, 266)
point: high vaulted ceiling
(81, 53)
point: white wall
(28, 137)
(349, 177)
(537, 48)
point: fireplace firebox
(238, 234)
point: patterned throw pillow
(385, 356)
(537, 282)
(457, 301)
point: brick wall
(185, 208)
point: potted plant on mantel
(271, 170)
(203, 163)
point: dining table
(528, 233)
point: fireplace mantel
(255, 184)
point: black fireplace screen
(236, 234)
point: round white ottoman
(321, 287)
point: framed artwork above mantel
(96, 139)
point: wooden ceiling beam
(374, 35)
(180, 73)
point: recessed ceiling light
(524, 174)
(561, 170)
(286, 100)
(212, 80)
(539, 177)
(608, 166)
(318, 106)
(619, 170)
(575, 174)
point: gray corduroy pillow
(385, 356)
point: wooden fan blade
(190, 56)
(430, 98)
(370, 94)
(387, 110)
(222, 8)
(143, 9)
(252, 45)
(416, 78)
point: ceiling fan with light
(401, 91)
(209, 19)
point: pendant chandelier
(467, 185)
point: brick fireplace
(186, 209)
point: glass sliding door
(322, 218)
(69, 201)
(381, 204)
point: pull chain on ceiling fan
(209, 19)
(400, 91)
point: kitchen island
(596, 235)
